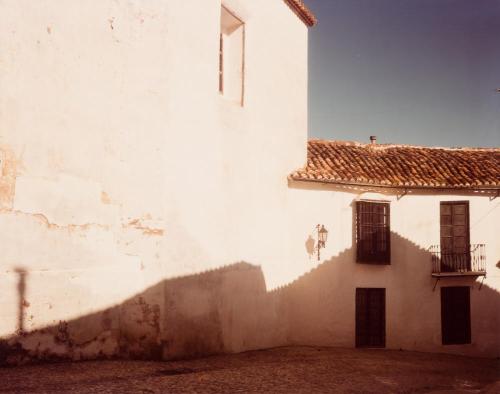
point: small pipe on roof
(373, 139)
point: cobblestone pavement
(283, 370)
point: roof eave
(412, 187)
(302, 12)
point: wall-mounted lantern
(322, 237)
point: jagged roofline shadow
(241, 265)
(346, 255)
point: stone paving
(283, 370)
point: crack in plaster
(136, 224)
(43, 219)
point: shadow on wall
(310, 246)
(21, 291)
(230, 310)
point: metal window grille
(373, 233)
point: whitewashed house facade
(151, 203)
(414, 246)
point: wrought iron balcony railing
(452, 263)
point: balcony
(449, 264)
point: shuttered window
(373, 233)
(455, 248)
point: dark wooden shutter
(373, 233)
(370, 317)
(455, 315)
(455, 247)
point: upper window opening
(231, 56)
(455, 244)
(373, 233)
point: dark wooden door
(455, 247)
(455, 315)
(370, 317)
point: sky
(420, 72)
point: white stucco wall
(324, 298)
(123, 167)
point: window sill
(373, 262)
(234, 101)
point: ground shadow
(229, 310)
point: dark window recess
(455, 315)
(370, 317)
(455, 245)
(221, 64)
(373, 233)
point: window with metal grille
(373, 233)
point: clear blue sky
(420, 72)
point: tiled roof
(302, 11)
(400, 165)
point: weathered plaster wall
(84, 113)
(123, 168)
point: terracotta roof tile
(401, 165)
(302, 11)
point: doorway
(370, 317)
(455, 315)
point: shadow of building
(229, 310)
